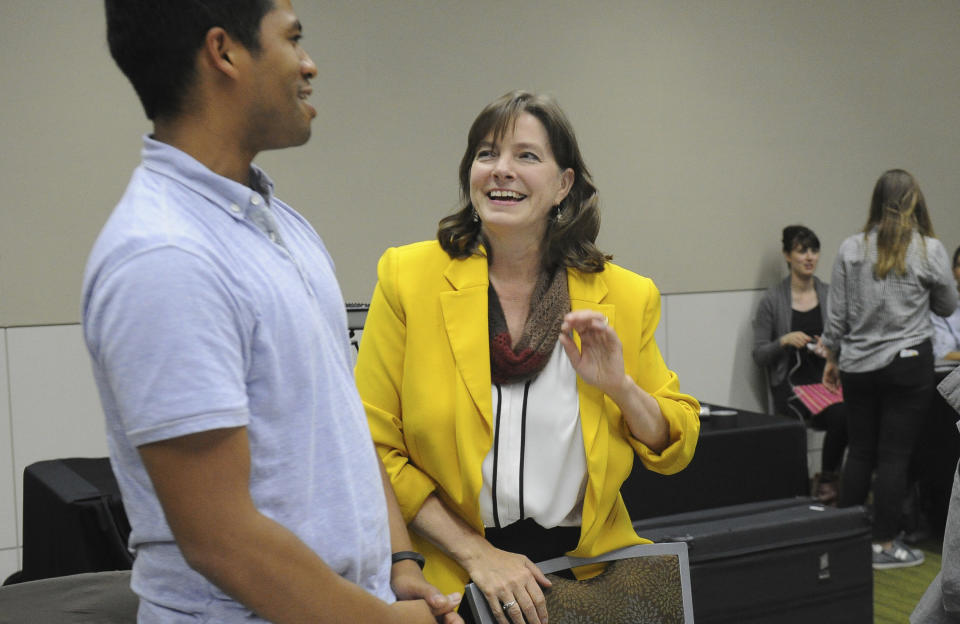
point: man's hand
(406, 579)
(408, 584)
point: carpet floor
(896, 592)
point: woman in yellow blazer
(510, 373)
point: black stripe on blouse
(496, 449)
(523, 440)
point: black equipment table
(789, 561)
(73, 519)
(741, 458)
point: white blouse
(537, 466)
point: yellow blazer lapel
(465, 319)
(587, 291)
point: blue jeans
(885, 412)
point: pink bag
(816, 397)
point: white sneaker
(897, 556)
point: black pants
(885, 412)
(526, 537)
(832, 421)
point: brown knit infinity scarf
(548, 304)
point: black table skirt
(742, 458)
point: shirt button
(255, 200)
(234, 208)
(273, 236)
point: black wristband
(403, 555)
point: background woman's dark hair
(794, 235)
(155, 42)
(897, 210)
(572, 229)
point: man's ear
(220, 51)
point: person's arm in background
(202, 481)
(835, 326)
(943, 286)
(945, 346)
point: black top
(811, 365)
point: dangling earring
(558, 213)
(476, 217)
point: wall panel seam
(13, 463)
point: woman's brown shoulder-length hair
(572, 227)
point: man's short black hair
(155, 42)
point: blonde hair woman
(886, 281)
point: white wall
(49, 407)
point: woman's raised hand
(511, 584)
(599, 361)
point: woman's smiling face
(803, 260)
(515, 181)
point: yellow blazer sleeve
(681, 411)
(379, 377)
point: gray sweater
(871, 320)
(772, 320)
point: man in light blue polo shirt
(219, 344)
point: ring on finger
(508, 605)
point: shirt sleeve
(943, 287)
(164, 331)
(835, 326)
(766, 346)
(379, 376)
(681, 411)
(943, 342)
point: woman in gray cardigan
(786, 331)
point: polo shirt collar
(236, 199)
